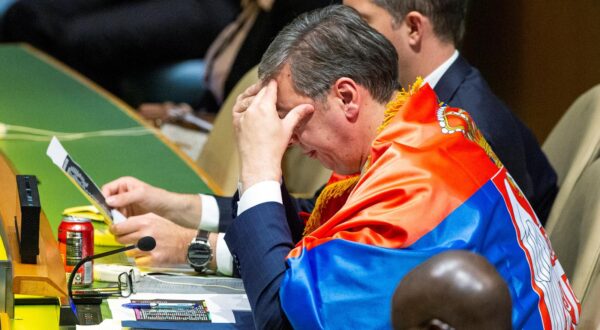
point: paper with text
(77, 175)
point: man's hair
(447, 16)
(326, 44)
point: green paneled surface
(39, 94)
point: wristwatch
(199, 252)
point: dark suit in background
(462, 86)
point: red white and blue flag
(432, 186)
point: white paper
(56, 152)
(109, 324)
(117, 216)
(60, 157)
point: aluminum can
(75, 242)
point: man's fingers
(244, 100)
(258, 98)
(131, 225)
(253, 89)
(250, 91)
(245, 104)
(271, 92)
(136, 253)
(128, 239)
(122, 199)
(119, 185)
(143, 261)
(296, 115)
(111, 188)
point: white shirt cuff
(262, 192)
(209, 220)
(224, 258)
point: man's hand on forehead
(244, 100)
(263, 136)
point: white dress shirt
(262, 192)
(434, 77)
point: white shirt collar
(434, 77)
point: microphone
(146, 243)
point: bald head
(452, 290)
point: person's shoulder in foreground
(421, 179)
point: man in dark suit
(417, 180)
(325, 86)
(425, 35)
(426, 47)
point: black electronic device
(89, 314)
(28, 233)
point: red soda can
(75, 242)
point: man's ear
(415, 23)
(346, 90)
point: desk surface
(37, 91)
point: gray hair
(326, 44)
(447, 16)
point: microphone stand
(90, 258)
(71, 318)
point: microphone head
(146, 243)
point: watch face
(199, 254)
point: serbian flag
(432, 185)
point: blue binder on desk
(243, 320)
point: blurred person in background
(107, 40)
(237, 49)
(426, 35)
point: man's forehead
(287, 97)
(285, 103)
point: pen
(161, 305)
(97, 292)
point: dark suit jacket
(260, 262)
(462, 86)
(293, 207)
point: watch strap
(202, 235)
